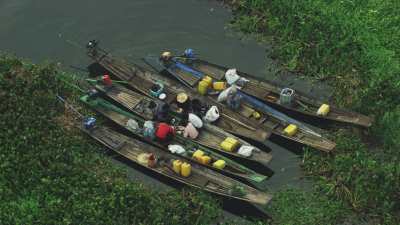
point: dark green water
(54, 30)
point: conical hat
(182, 97)
(166, 55)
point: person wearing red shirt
(164, 132)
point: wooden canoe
(122, 117)
(211, 136)
(142, 80)
(200, 177)
(267, 120)
(270, 92)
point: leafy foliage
(298, 207)
(355, 45)
(53, 175)
(366, 180)
(389, 129)
(353, 42)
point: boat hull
(201, 178)
(269, 92)
(122, 117)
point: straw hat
(182, 97)
(166, 55)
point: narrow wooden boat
(200, 177)
(122, 118)
(210, 135)
(270, 92)
(274, 121)
(142, 81)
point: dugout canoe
(270, 92)
(209, 136)
(122, 117)
(200, 177)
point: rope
(69, 105)
(114, 81)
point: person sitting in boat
(183, 102)
(161, 113)
(199, 108)
(164, 132)
(166, 56)
(188, 131)
(233, 100)
(231, 96)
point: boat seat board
(208, 140)
(194, 178)
(120, 146)
(130, 101)
(213, 185)
(246, 111)
(255, 90)
(211, 71)
(270, 124)
(262, 120)
(187, 77)
(108, 138)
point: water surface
(57, 30)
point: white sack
(212, 114)
(195, 120)
(246, 150)
(231, 76)
(176, 149)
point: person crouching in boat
(164, 132)
(166, 58)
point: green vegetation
(354, 45)
(298, 207)
(52, 174)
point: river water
(57, 30)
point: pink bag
(190, 131)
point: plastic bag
(246, 150)
(224, 94)
(148, 129)
(190, 131)
(212, 114)
(132, 125)
(195, 120)
(231, 76)
(178, 149)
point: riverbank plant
(50, 173)
(354, 45)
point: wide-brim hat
(182, 97)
